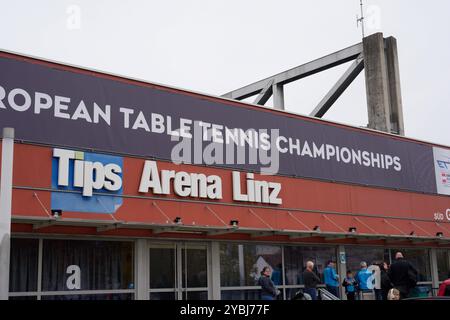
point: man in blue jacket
(331, 278)
(365, 285)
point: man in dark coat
(386, 283)
(403, 275)
(311, 280)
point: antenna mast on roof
(361, 19)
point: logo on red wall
(86, 182)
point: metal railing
(326, 295)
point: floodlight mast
(361, 19)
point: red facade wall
(306, 203)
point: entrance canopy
(212, 221)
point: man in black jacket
(311, 280)
(386, 283)
(403, 275)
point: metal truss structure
(375, 54)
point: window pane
(443, 264)
(251, 294)
(241, 264)
(23, 298)
(241, 295)
(111, 296)
(295, 259)
(194, 266)
(196, 295)
(87, 265)
(419, 258)
(162, 268)
(162, 296)
(356, 255)
(23, 265)
(231, 271)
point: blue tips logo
(86, 182)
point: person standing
(350, 285)
(331, 278)
(268, 289)
(403, 275)
(386, 283)
(311, 280)
(362, 277)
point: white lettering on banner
(12, 100)
(439, 216)
(71, 109)
(39, 105)
(74, 280)
(21, 100)
(185, 184)
(91, 176)
(257, 191)
(87, 174)
(2, 96)
(202, 186)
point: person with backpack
(403, 275)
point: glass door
(178, 271)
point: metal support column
(278, 96)
(5, 209)
(215, 271)
(342, 269)
(142, 269)
(434, 269)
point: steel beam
(302, 71)
(278, 96)
(341, 85)
(264, 95)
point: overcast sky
(215, 46)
